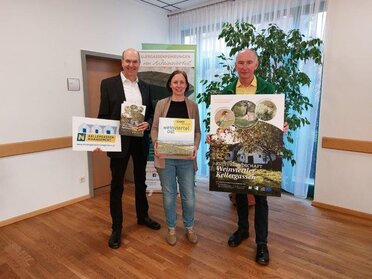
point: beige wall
(343, 178)
(40, 48)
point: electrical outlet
(82, 179)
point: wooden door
(99, 68)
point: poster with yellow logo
(91, 133)
(176, 137)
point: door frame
(84, 55)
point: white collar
(124, 79)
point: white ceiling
(176, 5)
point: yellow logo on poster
(182, 125)
(100, 138)
(81, 137)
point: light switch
(73, 84)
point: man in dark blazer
(114, 91)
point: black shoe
(148, 222)
(237, 237)
(262, 256)
(115, 239)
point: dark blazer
(112, 96)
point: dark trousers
(118, 167)
(261, 216)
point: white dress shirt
(132, 91)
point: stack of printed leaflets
(176, 137)
(131, 116)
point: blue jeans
(183, 172)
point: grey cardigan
(161, 110)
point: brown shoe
(191, 235)
(171, 237)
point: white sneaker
(171, 236)
(191, 235)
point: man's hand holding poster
(246, 143)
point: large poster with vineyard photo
(246, 143)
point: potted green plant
(280, 54)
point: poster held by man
(131, 115)
(89, 134)
(246, 143)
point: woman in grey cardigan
(182, 171)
